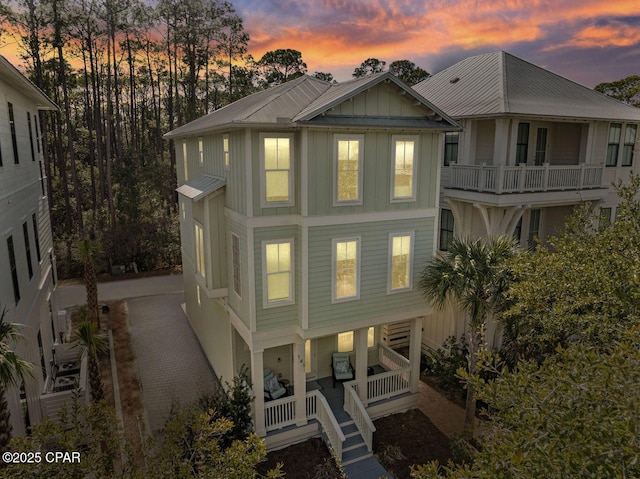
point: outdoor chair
(272, 387)
(341, 368)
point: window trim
(236, 273)
(226, 155)
(263, 172)
(265, 291)
(334, 269)
(409, 287)
(337, 138)
(414, 176)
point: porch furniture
(341, 368)
(272, 387)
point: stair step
(349, 428)
(347, 462)
(352, 443)
(350, 434)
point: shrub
(444, 363)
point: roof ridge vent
(454, 80)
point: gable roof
(499, 83)
(12, 76)
(302, 100)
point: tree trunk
(95, 379)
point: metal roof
(201, 187)
(499, 83)
(12, 76)
(302, 100)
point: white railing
(524, 178)
(280, 413)
(390, 359)
(389, 384)
(318, 408)
(354, 407)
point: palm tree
(474, 275)
(88, 250)
(93, 343)
(13, 369)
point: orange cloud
(616, 35)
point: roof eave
(228, 127)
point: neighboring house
(27, 262)
(307, 212)
(534, 145)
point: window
(534, 228)
(307, 356)
(235, 253)
(27, 248)
(629, 143)
(14, 140)
(346, 263)
(541, 147)
(43, 362)
(35, 118)
(446, 229)
(225, 152)
(33, 153)
(183, 210)
(348, 169)
(199, 294)
(404, 183)
(517, 232)
(278, 272)
(615, 130)
(345, 342)
(522, 144)
(184, 160)
(451, 140)
(605, 217)
(200, 267)
(41, 177)
(371, 337)
(277, 171)
(400, 261)
(201, 150)
(13, 268)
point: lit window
(348, 169)
(183, 210)
(235, 252)
(278, 271)
(613, 146)
(345, 342)
(225, 152)
(307, 356)
(371, 337)
(346, 262)
(201, 150)
(278, 178)
(184, 160)
(446, 229)
(451, 140)
(404, 169)
(400, 261)
(200, 268)
(629, 144)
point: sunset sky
(589, 41)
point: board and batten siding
(240, 305)
(278, 316)
(374, 269)
(381, 100)
(376, 185)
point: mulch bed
(414, 436)
(308, 459)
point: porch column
(415, 342)
(299, 383)
(257, 370)
(360, 343)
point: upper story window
(277, 170)
(451, 140)
(35, 118)
(199, 238)
(201, 150)
(235, 258)
(37, 236)
(33, 152)
(13, 268)
(629, 144)
(27, 248)
(400, 262)
(185, 163)
(348, 169)
(522, 143)
(14, 140)
(278, 272)
(225, 152)
(346, 269)
(613, 147)
(446, 229)
(404, 171)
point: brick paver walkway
(171, 364)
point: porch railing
(389, 384)
(525, 178)
(354, 407)
(280, 413)
(391, 360)
(318, 408)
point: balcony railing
(524, 178)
